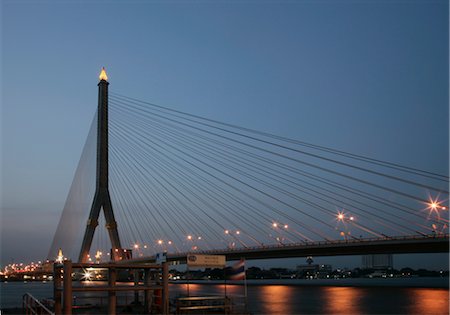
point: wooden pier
(154, 284)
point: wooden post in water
(57, 272)
(67, 285)
(165, 297)
(147, 293)
(112, 298)
(136, 283)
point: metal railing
(31, 305)
(328, 242)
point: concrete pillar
(102, 198)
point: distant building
(313, 271)
(377, 261)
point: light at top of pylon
(103, 75)
(60, 257)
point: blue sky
(369, 77)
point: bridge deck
(389, 245)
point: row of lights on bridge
(433, 205)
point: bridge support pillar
(102, 198)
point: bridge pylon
(102, 197)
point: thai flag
(238, 270)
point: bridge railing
(438, 239)
(330, 242)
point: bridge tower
(102, 198)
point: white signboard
(217, 261)
(161, 257)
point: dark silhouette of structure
(102, 198)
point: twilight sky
(369, 77)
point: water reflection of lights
(195, 289)
(280, 297)
(429, 301)
(342, 300)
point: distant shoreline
(414, 282)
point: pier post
(67, 285)
(165, 297)
(147, 293)
(57, 273)
(112, 298)
(136, 283)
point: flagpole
(225, 276)
(188, 274)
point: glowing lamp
(87, 275)
(103, 75)
(60, 257)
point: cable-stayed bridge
(170, 181)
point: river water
(287, 297)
